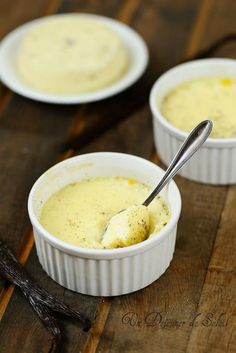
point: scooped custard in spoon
(128, 227)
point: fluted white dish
(215, 162)
(105, 272)
(133, 42)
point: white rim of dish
(105, 253)
(132, 40)
(210, 142)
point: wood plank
(214, 329)
(15, 13)
(221, 24)
(199, 27)
(28, 116)
(132, 136)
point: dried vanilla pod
(57, 305)
(46, 317)
(42, 302)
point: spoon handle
(192, 143)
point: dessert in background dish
(204, 98)
(79, 212)
(71, 55)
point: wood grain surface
(191, 308)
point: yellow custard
(79, 212)
(211, 98)
(71, 55)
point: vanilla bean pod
(46, 317)
(56, 305)
(42, 301)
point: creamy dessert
(211, 98)
(71, 55)
(80, 213)
(130, 226)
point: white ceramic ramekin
(215, 163)
(105, 272)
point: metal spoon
(192, 143)
(120, 230)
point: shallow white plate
(10, 45)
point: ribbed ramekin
(215, 162)
(105, 272)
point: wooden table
(191, 308)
